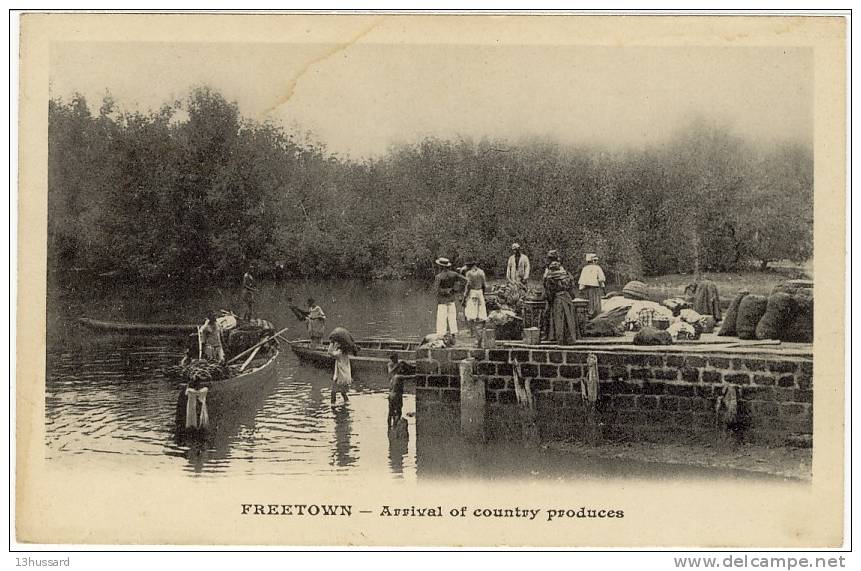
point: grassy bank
(728, 283)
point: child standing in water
(396, 391)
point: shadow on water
(342, 450)
(399, 445)
(453, 457)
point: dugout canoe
(226, 396)
(372, 358)
(137, 328)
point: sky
(360, 99)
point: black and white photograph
(322, 277)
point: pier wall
(655, 395)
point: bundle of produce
(661, 322)
(702, 323)
(509, 294)
(491, 302)
(676, 304)
(750, 311)
(500, 317)
(779, 314)
(202, 371)
(607, 324)
(245, 337)
(801, 328)
(642, 311)
(728, 327)
(690, 316)
(708, 323)
(344, 338)
(682, 331)
(533, 293)
(635, 290)
(650, 336)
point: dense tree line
(196, 189)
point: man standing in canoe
(209, 339)
(248, 290)
(592, 283)
(518, 269)
(474, 308)
(316, 321)
(446, 285)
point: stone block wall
(644, 395)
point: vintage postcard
(431, 280)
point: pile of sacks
(631, 311)
(786, 314)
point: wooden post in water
(589, 390)
(472, 401)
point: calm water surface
(109, 404)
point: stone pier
(660, 394)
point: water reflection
(342, 450)
(109, 404)
(399, 444)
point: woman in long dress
(558, 285)
(592, 284)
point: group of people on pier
(469, 283)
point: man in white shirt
(592, 283)
(517, 270)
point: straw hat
(443, 262)
(515, 246)
(635, 290)
(591, 257)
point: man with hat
(517, 270)
(446, 284)
(592, 283)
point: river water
(109, 404)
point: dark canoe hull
(373, 355)
(137, 328)
(229, 399)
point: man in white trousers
(447, 284)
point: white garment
(446, 314)
(658, 310)
(615, 302)
(343, 371)
(193, 397)
(517, 271)
(475, 308)
(592, 275)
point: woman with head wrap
(562, 320)
(592, 283)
